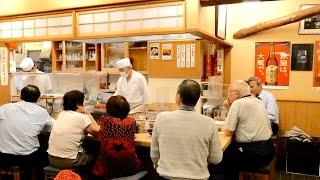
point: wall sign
(316, 69)
(4, 66)
(272, 63)
(154, 50)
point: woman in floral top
(117, 156)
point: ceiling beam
(291, 18)
(218, 2)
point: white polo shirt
(248, 118)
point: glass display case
(74, 56)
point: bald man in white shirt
(247, 122)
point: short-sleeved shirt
(67, 134)
(117, 156)
(248, 118)
(20, 124)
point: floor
(293, 176)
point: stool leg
(16, 175)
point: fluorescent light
(186, 36)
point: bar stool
(14, 171)
(51, 172)
(264, 173)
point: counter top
(144, 139)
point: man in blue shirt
(268, 100)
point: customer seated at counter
(184, 141)
(248, 123)
(20, 124)
(117, 157)
(71, 126)
(269, 101)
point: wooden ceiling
(217, 2)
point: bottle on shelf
(272, 67)
(60, 57)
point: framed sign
(309, 25)
(154, 50)
(272, 63)
(221, 21)
(301, 57)
(166, 51)
(316, 66)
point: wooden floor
(292, 176)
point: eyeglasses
(234, 90)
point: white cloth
(20, 124)
(271, 105)
(26, 64)
(183, 142)
(67, 134)
(41, 80)
(248, 118)
(122, 63)
(135, 90)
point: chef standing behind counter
(42, 80)
(132, 85)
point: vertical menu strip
(192, 55)
(183, 56)
(188, 56)
(178, 56)
(4, 66)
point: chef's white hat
(122, 63)
(26, 64)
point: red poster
(316, 66)
(272, 63)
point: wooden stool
(14, 171)
(264, 173)
(51, 172)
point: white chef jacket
(135, 90)
(42, 81)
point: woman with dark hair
(117, 157)
(72, 125)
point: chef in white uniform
(40, 80)
(132, 85)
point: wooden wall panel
(159, 68)
(303, 114)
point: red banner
(272, 63)
(316, 65)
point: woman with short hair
(117, 157)
(72, 125)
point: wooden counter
(144, 139)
